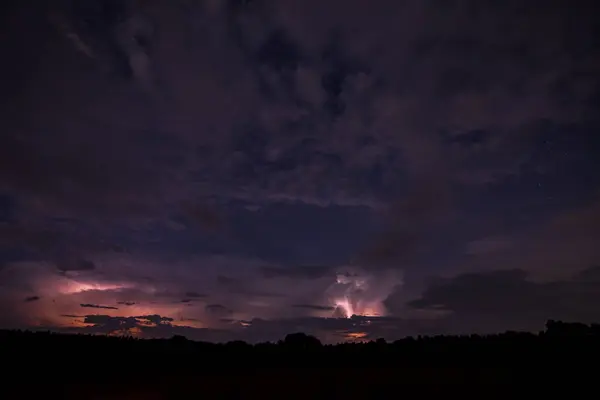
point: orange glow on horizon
(133, 332)
(356, 335)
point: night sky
(350, 169)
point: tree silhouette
(348, 370)
(301, 341)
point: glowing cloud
(345, 306)
(356, 292)
(72, 286)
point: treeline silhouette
(561, 350)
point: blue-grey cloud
(509, 300)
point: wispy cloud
(98, 306)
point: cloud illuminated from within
(357, 292)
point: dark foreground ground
(53, 366)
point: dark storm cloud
(217, 309)
(227, 281)
(76, 265)
(98, 306)
(245, 287)
(194, 295)
(336, 66)
(156, 319)
(203, 215)
(279, 43)
(312, 225)
(314, 307)
(509, 300)
(393, 135)
(8, 207)
(301, 271)
(410, 221)
(547, 243)
(101, 177)
(32, 298)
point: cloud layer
(245, 168)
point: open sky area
(352, 169)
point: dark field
(46, 365)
